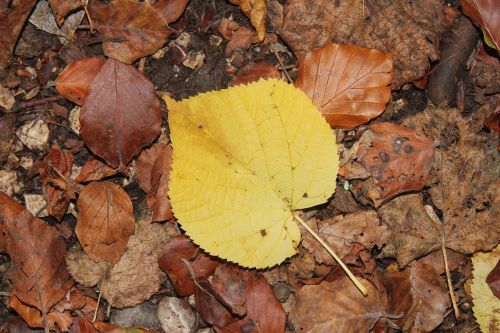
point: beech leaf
(485, 14)
(349, 84)
(105, 221)
(244, 159)
(121, 113)
(256, 11)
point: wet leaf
(37, 251)
(93, 170)
(256, 11)
(170, 261)
(132, 29)
(398, 159)
(485, 14)
(349, 84)
(121, 113)
(336, 306)
(12, 18)
(73, 82)
(105, 221)
(254, 71)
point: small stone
(34, 134)
(176, 315)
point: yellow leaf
(486, 306)
(244, 159)
(256, 11)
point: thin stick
(327, 248)
(98, 303)
(281, 63)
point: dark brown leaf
(493, 280)
(170, 261)
(62, 7)
(210, 305)
(254, 71)
(485, 14)
(93, 170)
(73, 82)
(40, 278)
(105, 221)
(82, 325)
(132, 29)
(121, 114)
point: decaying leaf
(133, 29)
(153, 172)
(12, 18)
(73, 82)
(419, 293)
(486, 305)
(343, 232)
(244, 159)
(93, 170)
(349, 84)
(105, 221)
(397, 159)
(170, 261)
(62, 7)
(83, 269)
(120, 114)
(485, 14)
(256, 11)
(336, 306)
(239, 37)
(39, 276)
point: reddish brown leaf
(349, 84)
(493, 280)
(16, 325)
(93, 169)
(153, 173)
(82, 325)
(485, 14)
(40, 278)
(171, 10)
(61, 8)
(105, 221)
(12, 18)
(239, 37)
(132, 29)
(210, 305)
(170, 261)
(121, 114)
(397, 159)
(492, 121)
(254, 71)
(73, 82)
(419, 293)
(336, 306)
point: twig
(142, 63)
(98, 302)
(91, 24)
(280, 61)
(40, 101)
(339, 261)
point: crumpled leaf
(134, 29)
(409, 30)
(170, 261)
(398, 159)
(343, 232)
(486, 305)
(105, 221)
(43, 18)
(244, 159)
(486, 15)
(337, 306)
(419, 293)
(256, 11)
(12, 18)
(39, 276)
(73, 82)
(153, 172)
(349, 84)
(93, 169)
(121, 113)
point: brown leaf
(493, 280)
(171, 10)
(16, 325)
(170, 261)
(73, 82)
(397, 159)
(105, 221)
(84, 270)
(253, 72)
(349, 84)
(82, 325)
(239, 37)
(61, 8)
(343, 232)
(256, 11)
(153, 172)
(121, 114)
(132, 29)
(37, 251)
(336, 306)
(419, 293)
(109, 328)
(436, 260)
(485, 14)
(94, 170)
(210, 305)
(12, 18)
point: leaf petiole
(327, 248)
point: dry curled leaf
(256, 11)
(105, 221)
(485, 14)
(73, 82)
(39, 276)
(132, 29)
(93, 170)
(349, 84)
(120, 114)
